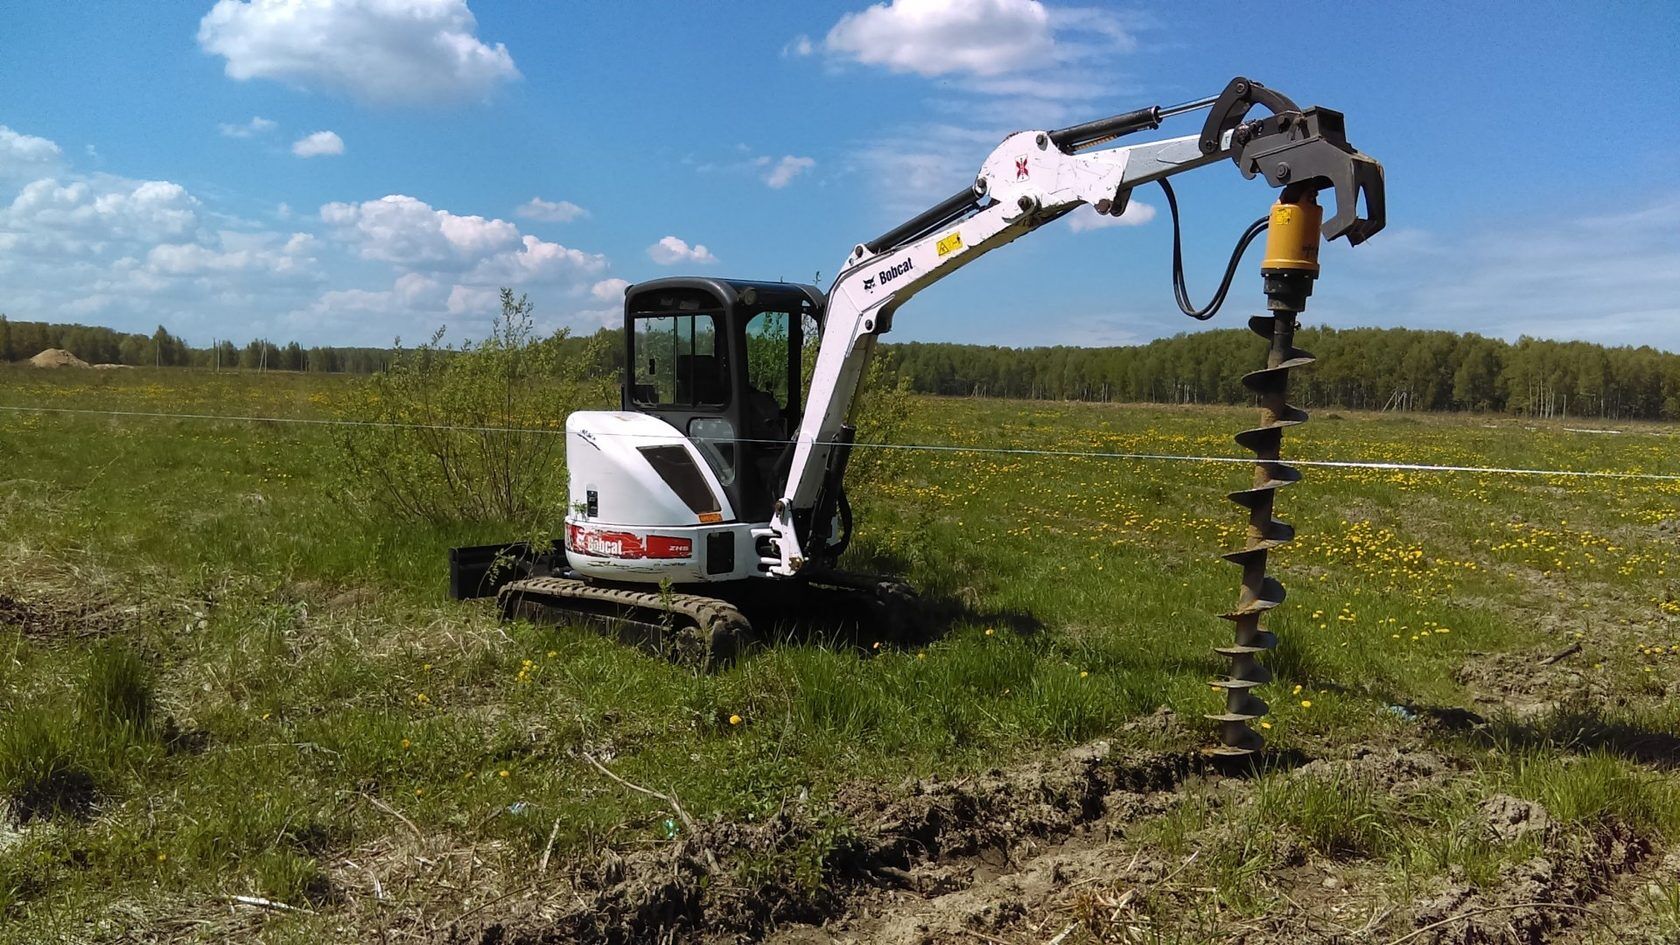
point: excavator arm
(1031, 179)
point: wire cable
(918, 447)
(1180, 293)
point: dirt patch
(44, 620)
(1537, 899)
(737, 882)
(1512, 818)
(1399, 770)
(1524, 683)
(57, 358)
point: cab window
(679, 362)
(769, 357)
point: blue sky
(348, 171)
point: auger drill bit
(1289, 268)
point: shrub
(881, 414)
(470, 434)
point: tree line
(20, 341)
(1358, 368)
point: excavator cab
(721, 360)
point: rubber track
(691, 627)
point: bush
(880, 415)
(473, 434)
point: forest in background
(1358, 368)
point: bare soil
(57, 358)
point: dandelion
(1306, 703)
(989, 632)
(407, 744)
(1083, 674)
(553, 653)
(1265, 725)
(734, 720)
(1296, 691)
(502, 773)
(161, 857)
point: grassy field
(219, 681)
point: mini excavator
(719, 477)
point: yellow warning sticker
(950, 244)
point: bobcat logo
(869, 283)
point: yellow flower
(1265, 725)
(162, 857)
(553, 653)
(1083, 674)
(734, 720)
(1296, 690)
(502, 773)
(990, 631)
(406, 743)
(1306, 703)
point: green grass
(281, 674)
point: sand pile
(57, 358)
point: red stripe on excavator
(605, 544)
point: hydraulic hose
(1180, 293)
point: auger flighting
(1290, 265)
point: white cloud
(537, 261)
(24, 156)
(379, 51)
(800, 46)
(609, 290)
(1012, 56)
(782, 172)
(400, 229)
(942, 37)
(237, 254)
(250, 129)
(133, 253)
(1085, 218)
(473, 300)
(550, 211)
(670, 250)
(319, 144)
(86, 215)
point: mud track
(929, 838)
(1020, 856)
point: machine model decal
(1021, 168)
(949, 244)
(600, 544)
(893, 272)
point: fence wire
(918, 447)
